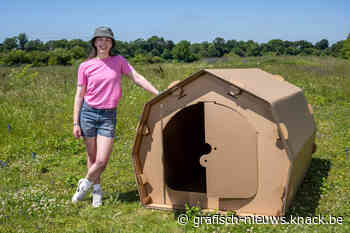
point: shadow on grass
(131, 196)
(308, 195)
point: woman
(97, 96)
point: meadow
(41, 161)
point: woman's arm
(142, 82)
(79, 97)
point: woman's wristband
(74, 124)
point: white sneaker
(83, 187)
(97, 196)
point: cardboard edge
(135, 154)
(208, 210)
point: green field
(41, 161)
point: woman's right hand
(76, 131)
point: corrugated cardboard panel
(299, 168)
(293, 112)
(231, 166)
(257, 82)
(265, 104)
(150, 155)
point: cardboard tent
(224, 139)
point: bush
(15, 57)
(60, 57)
(146, 59)
(346, 48)
(37, 58)
(141, 59)
(157, 59)
(78, 52)
(182, 52)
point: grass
(41, 162)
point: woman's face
(103, 45)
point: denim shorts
(95, 121)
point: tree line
(20, 50)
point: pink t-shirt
(103, 80)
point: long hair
(93, 50)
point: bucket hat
(103, 32)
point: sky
(195, 21)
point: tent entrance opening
(183, 145)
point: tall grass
(41, 161)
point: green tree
(167, 54)
(239, 49)
(213, 51)
(123, 48)
(242, 49)
(182, 52)
(346, 48)
(34, 45)
(22, 40)
(78, 42)
(322, 44)
(139, 51)
(276, 46)
(337, 49)
(203, 52)
(169, 44)
(140, 46)
(15, 57)
(220, 45)
(142, 58)
(54, 44)
(195, 48)
(230, 44)
(291, 51)
(304, 47)
(253, 48)
(156, 45)
(37, 58)
(155, 52)
(59, 56)
(10, 43)
(264, 48)
(78, 52)
(307, 51)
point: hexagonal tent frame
(224, 139)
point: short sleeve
(82, 79)
(125, 66)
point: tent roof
(255, 81)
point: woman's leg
(104, 146)
(85, 184)
(91, 149)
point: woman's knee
(91, 160)
(101, 164)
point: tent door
(231, 165)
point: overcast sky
(196, 21)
